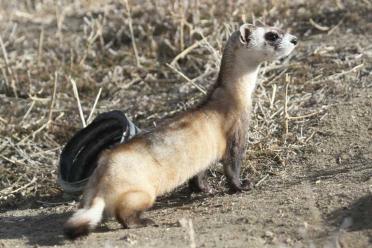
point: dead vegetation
(62, 62)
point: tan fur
(130, 176)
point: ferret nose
(294, 40)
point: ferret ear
(245, 33)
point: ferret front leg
(233, 163)
(199, 183)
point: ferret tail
(85, 219)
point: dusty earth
(320, 197)
(324, 199)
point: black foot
(198, 184)
(236, 186)
(204, 188)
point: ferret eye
(271, 36)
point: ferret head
(263, 43)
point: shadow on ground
(359, 214)
(35, 202)
(41, 230)
(46, 229)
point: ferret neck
(238, 75)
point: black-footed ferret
(130, 176)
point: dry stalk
(10, 72)
(3, 120)
(272, 100)
(335, 27)
(76, 94)
(261, 180)
(318, 26)
(186, 51)
(275, 77)
(94, 34)
(309, 138)
(15, 162)
(53, 99)
(286, 115)
(94, 106)
(60, 19)
(302, 116)
(187, 224)
(2, 193)
(41, 43)
(188, 79)
(33, 134)
(182, 24)
(6, 79)
(28, 111)
(126, 3)
(192, 235)
(338, 75)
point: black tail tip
(73, 232)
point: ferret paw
(237, 186)
(201, 188)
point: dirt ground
(317, 194)
(322, 200)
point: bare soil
(324, 199)
(313, 184)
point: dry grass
(152, 59)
